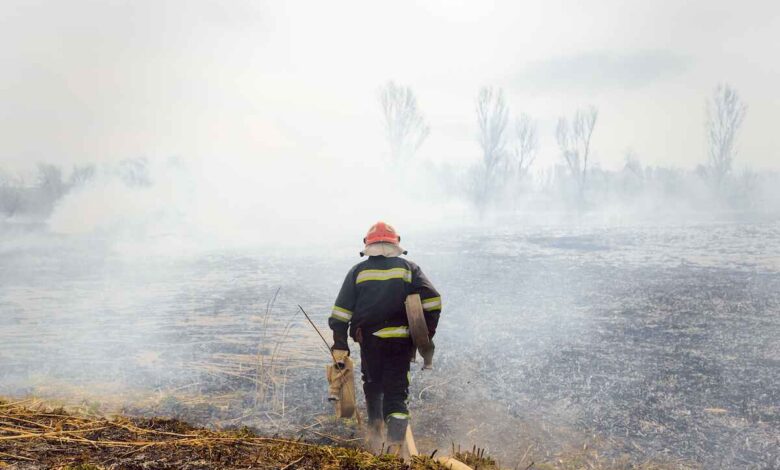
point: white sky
(249, 81)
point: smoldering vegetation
(613, 345)
(602, 309)
(605, 317)
(670, 356)
(192, 337)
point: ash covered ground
(633, 343)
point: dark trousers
(385, 369)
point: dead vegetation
(33, 436)
(36, 436)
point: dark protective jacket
(372, 300)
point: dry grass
(34, 436)
(475, 458)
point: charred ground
(619, 345)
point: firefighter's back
(381, 285)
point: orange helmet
(382, 232)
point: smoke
(235, 202)
(617, 308)
(154, 290)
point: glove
(339, 356)
(339, 340)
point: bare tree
(526, 144)
(11, 189)
(725, 113)
(81, 175)
(492, 118)
(404, 124)
(50, 182)
(50, 188)
(574, 142)
(633, 174)
(135, 172)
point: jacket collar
(388, 250)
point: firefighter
(370, 306)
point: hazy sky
(252, 81)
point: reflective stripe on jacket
(372, 298)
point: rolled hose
(419, 329)
(341, 390)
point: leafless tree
(50, 182)
(526, 144)
(632, 164)
(49, 189)
(492, 118)
(11, 189)
(81, 175)
(135, 172)
(404, 123)
(574, 142)
(725, 113)
(633, 174)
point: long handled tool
(341, 379)
(318, 332)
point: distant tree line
(502, 177)
(34, 196)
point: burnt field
(609, 346)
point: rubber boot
(396, 435)
(375, 437)
(374, 406)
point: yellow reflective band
(434, 303)
(341, 314)
(398, 416)
(384, 275)
(393, 332)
